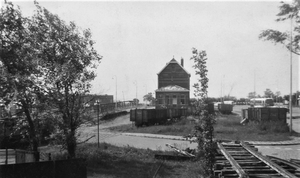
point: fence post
(54, 169)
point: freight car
(154, 116)
(225, 108)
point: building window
(182, 100)
(160, 99)
(167, 99)
(174, 100)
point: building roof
(172, 88)
(173, 61)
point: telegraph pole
(291, 78)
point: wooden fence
(75, 168)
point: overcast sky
(137, 39)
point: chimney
(182, 62)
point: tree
(148, 97)
(18, 66)
(229, 98)
(135, 101)
(46, 62)
(287, 12)
(68, 60)
(251, 95)
(277, 97)
(268, 93)
(204, 128)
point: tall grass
(113, 161)
(228, 127)
(181, 127)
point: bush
(274, 126)
(114, 115)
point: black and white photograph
(157, 88)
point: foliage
(68, 62)
(287, 12)
(294, 97)
(18, 66)
(252, 95)
(135, 101)
(47, 65)
(204, 128)
(228, 127)
(149, 97)
(268, 93)
(113, 161)
(229, 98)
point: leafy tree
(287, 12)
(19, 71)
(135, 101)
(229, 98)
(149, 97)
(46, 62)
(252, 95)
(211, 100)
(204, 128)
(242, 99)
(295, 96)
(68, 62)
(268, 93)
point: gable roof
(173, 88)
(173, 61)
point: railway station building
(173, 86)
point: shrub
(274, 126)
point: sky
(138, 38)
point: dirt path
(88, 131)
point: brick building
(173, 86)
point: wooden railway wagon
(265, 114)
(154, 116)
(225, 108)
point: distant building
(103, 99)
(173, 86)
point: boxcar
(154, 116)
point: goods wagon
(265, 114)
(154, 116)
(225, 108)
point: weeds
(113, 161)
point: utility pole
(254, 85)
(98, 112)
(136, 92)
(291, 78)
(146, 94)
(116, 91)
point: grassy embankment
(228, 127)
(110, 161)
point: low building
(102, 99)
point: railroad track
(241, 160)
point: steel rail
(291, 164)
(233, 162)
(267, 161)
